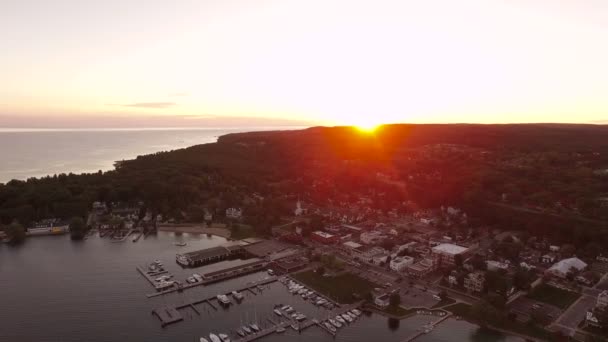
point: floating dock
(149, 276)
(432, 326)
(168, 315)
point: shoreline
(195, 228)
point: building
(602, 300)
(421, 268)
(48, 227)
(209, 255)
(548, 258)
(373, 237)
(370, 254)
(444, 254)
(234, 213)
(299, 211)
(453, 278)
(474, 281)
(407, 247)
(400, 264)
(562, 268)
(352, 247)
(493, 265)
(324, 237)
(381, 298)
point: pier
(149, 276)
(431, 326)
(168, 315)
(214, 277)
(316, 292)
(192, 304)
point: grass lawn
(341, 287)
(551, 295)
(445, 301)
(242, 232)
(463, 310)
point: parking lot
(524, 307)
(576, 313)
(413, 296)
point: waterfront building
(234, 213)
(563, 267)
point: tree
(15, 233)
(458, 260)
(395, 299)
(321, 270)
(78, 228)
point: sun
(367, 128)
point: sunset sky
(228, 62)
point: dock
(422, 332)
(149, 276)
(217, 276)
(316, 292)
(167, 315)
(209, 301)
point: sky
(81, 63)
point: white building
(474, 281)
(563, 267)
(234, 213)
(400, 264)
(602, 300)
(493, 265)
(445, 253)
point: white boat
(277, 312)
(181, 244)
(294, 327)
(254, 327)
(202, 339)
(198, 277)
(335, 323)
(191, 280)
(356, 312)
(340, 319)
(237, 295)
(246, 329)
(214, 338)
(347, 318)
(240, 332)
(223, 299)
(280, 330)
(330, 327)
(352, 315)
(224, 338)
(270, 272)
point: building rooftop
(206, 253)
(564, 266)
(353, 245)
(323, 234)
(449, 248)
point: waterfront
(54, 289)
(36, 153)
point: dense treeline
(527, 164)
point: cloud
(154, 105)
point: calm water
(53, 289)
(27, 154)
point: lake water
(36, 153)
(53, 289)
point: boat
(356, 312)
(202, 339)
(237, 295)
(335, 323)
(270, 272)
(330, 327)
(277, 312)
(254, 327)
(224, 338)
(352, 315)
(280, 330)
(191, 280)
(340, 319)
(246, 329)
(240, 332)
(347, 318)
(214, 338)
(181, 244)
(294, 327)
(300, 317)
(223, 299)
(198, 277)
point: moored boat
(214, 338)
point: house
(324, 237)
(548, 258)
(445, 254)
(602, 300)
(381, 298)
(453, 278)
(400, 264)
(234, 213)
(474, 281)
(562, 268)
